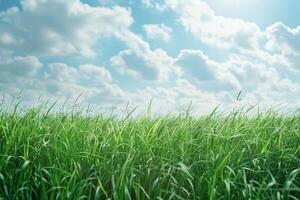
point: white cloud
(89, 80)
(36, 28)
(254, 75)
(154, 65)
(58, 80)
(264, 83)
(92, 72)
(140, 61)
(262, 63)
(17, 73)
(196, 64)
(209, 75)
(258, 80)
(200, 19)
(158, 31)
(283, 39)
(18, 67)
(180, 95)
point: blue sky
(172, 52)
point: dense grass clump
(72, 156)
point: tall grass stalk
(74, 156)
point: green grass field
(73, 156)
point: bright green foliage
(72, 156)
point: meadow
(46, 155)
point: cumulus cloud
(18, 68)
(35, 28)
(210, 75)
(201, 20)
(152, 66)
(92, 81)
(182, 94)
(198, 18)
(92, 72)
(196, 64)
(258, 79)
(17, 73)
(140, 61)
(255, 75)
(283, 39)
(263, 63)
(158, 31)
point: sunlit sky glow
(172, 52)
